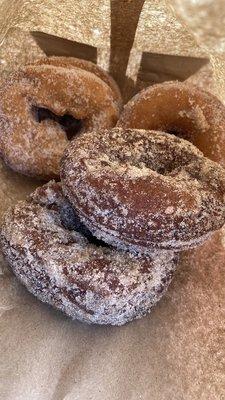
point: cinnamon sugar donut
(182, 109)
(60, 262)
(141, 189)
(71, 62)
(36, 102)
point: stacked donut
(46, 104)
(102, 243)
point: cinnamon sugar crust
(59, 261)
(71, 62)
(139, 189)
(183, 109)
(34, 146)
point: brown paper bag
(177, 352)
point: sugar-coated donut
(60, 262)
(182, 109)
(70, 62)
(142, 189)
(36, 102)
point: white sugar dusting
(141, 190)
(35, 148)
(61, 266)
(181, 108)
(197, 115)
(72, 62)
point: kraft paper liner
(194, 31)
(175, 353)
(13, 51)
(205, 19)
(85, 22)
(161, 51)
(107, 26)
(206, 22)
(98, 24)
(124, 36)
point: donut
(60, 262)
(181, 109)
(140, 190)
(71, 62)
(42, 107)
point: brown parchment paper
(178, 351)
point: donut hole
(71, 221)
(163, 165)
(189, 124)
(72, 126)
(169, 168)
(177, 132)
(160, 158)
(193, 127)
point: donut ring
(182, 109)
(70, 62)
(140, 189)
(34, 147)
(60, 266)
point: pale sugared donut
(182, 109)
(70, 62)
(36, 102)
(60, 262)
(141, 189)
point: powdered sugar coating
(183, 109)
(60, 266)
(35, 148)
(140, 190)
(71, 62)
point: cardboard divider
(57, 46)
(158, 68)
(124, 19)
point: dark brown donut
(182, 109)
(31, 141)
(141, 190)
(70, 62)
(60, 262)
